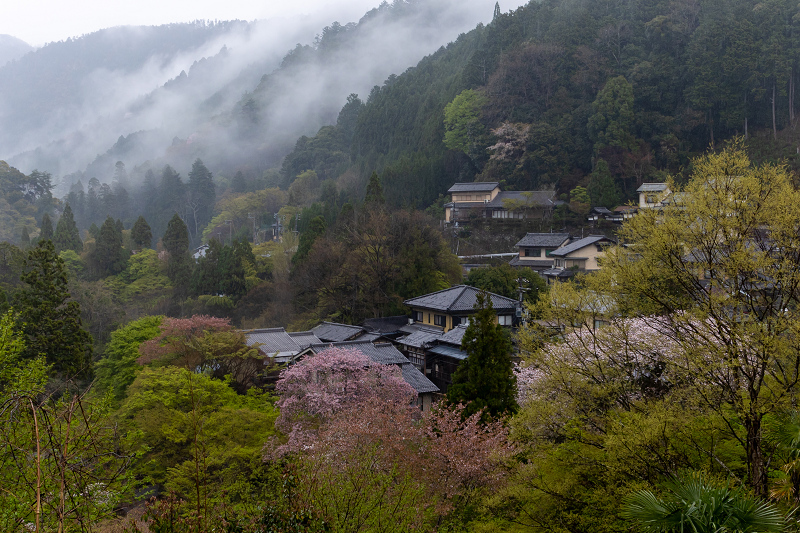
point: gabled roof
(417, 379)
(458, 298)
(577, 245)
(543, 240)
(600, 210)
(534, 198)
(483, 186)
(274, 342)
(304, 339)
(455, 335)
(335, 332)
(652, 187)
(386, 325)
(421, 338)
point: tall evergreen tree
(203, 197)
(176, 242)
(52, 324)
(46, 228)
(485, 379)
(374, 194)
(67, 236)
(108, 256)
(141, 235)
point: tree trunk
(755, 457)
(774, 127)
(745, 115)
(791, 96)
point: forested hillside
(558, 94)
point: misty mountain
(571, 94)
(12, 48)
(189, 87)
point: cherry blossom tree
(366, 458)
(205, 343)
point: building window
(417, 316)
(533, 252)
(456, 321)
(548, 251)
(439, 320)
(504, 320)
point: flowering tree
(334, 380)
(390, 471)
(206, 343)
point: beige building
(652, 195)
(584, 255)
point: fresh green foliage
(462, 122)
(118, 367)
(199, 437)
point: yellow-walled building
(450, 307)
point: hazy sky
(40, 21)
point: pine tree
(203, 196)
(176, 242)
(141, 235)
(52, 324)
(485, 379)
(46, 228)
(374, 194)
(108, 256)
(67, 236)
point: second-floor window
(439, 320)
(533, 252)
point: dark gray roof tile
(417, 379)
(458, 298)
(484, 186)
(334, 332)
(577, 245)
(543, 240)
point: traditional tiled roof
(455, 335)
(273, 342)
(483, 186)
(449, 351)
(304, 339)
(532, 198)
(543, 240)
(458, 298)
(577, 245)
(652, 187)
(334, 332)
(600, 210)
(386, 326)
(417, 379)
(421, 337)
